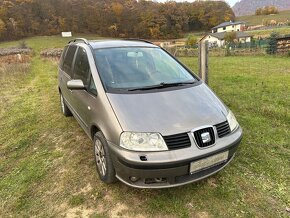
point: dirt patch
(80, 211)
(202, 215)
(119, 210)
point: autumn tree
(118, 18)
(267, 10)
(230, 37)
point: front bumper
(170, 168)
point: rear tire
(64, 108)
(104, 164)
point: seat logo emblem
(205, 137)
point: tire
(64, 108)
(104, 164)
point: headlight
(142, 141)
(232, 121)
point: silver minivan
(153, 122)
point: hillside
(258, 19)
(247, 7)
(113, 18)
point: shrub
(267, 10)
(230, 37)
(22, 44)
(191, 40)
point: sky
(231, 2)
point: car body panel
(168, 112)
(101, 114)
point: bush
(22, 44)
(191, 40)
(230, 37)
(267, 10)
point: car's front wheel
(64, 108)
(103, 159)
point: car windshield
(131, 68)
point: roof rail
(79, 39)
(141, 40)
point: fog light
(134, 179)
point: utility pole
(203, 60)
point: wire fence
(253, 48)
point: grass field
(266, 33)
(258, 19)
(47, 166)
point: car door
(66, 73)
(82, 99)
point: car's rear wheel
(64, 108)
(103, 159)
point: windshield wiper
(162, 85)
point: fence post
(203, 60)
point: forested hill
(120, 18)
(248, 7)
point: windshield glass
(138, 67)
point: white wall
(247, 39)
(213, 41)
(231, 28)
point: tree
(230, 37)
(272, 45)
(259, 11)
(267, 10)
(2, 27)
(191, 40)
(126, 18)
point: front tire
(64, 108)
(103, 159)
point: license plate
(208, 162)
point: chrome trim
(203, 127)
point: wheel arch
(93, 130)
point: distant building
(218, 39)
(229, 27)
(217, 36)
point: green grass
(267, 33)
(258, 19)
(47, 166)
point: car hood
(168, 112)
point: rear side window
(62, 57)
(82, 67)
(67, 63)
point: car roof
(98, 44)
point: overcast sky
(231, 2)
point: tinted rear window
(67, 64)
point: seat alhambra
(153, 122)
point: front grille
(177, 141)
(197, 135)
(223, 129)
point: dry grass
(46, 160)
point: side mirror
(75, 84)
